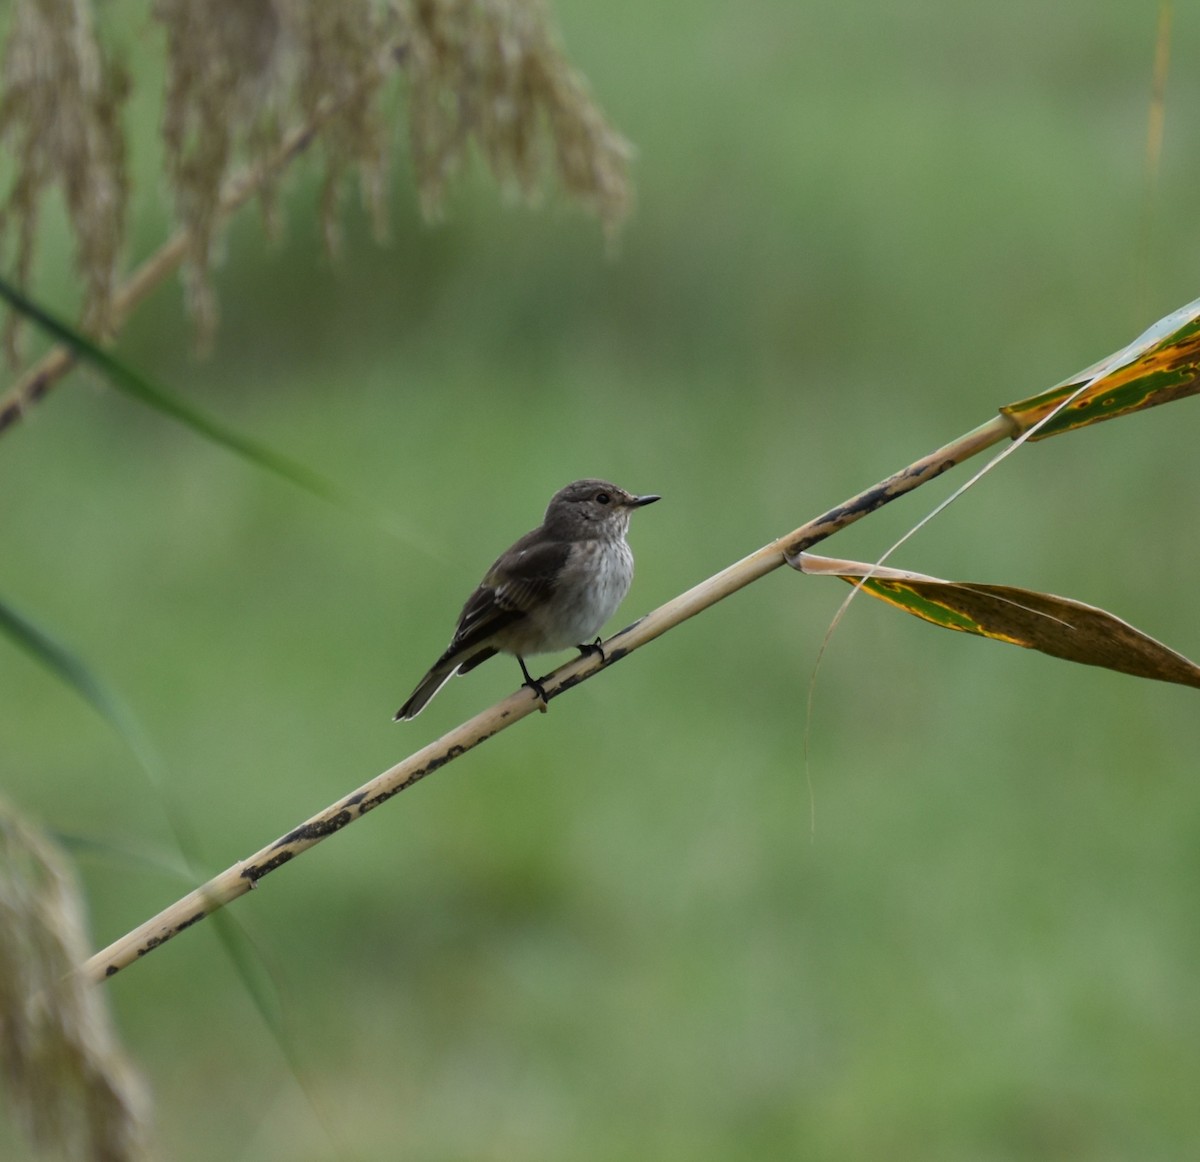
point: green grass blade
(67, 667)
(73, 672)
(256, 978)
(133, 384)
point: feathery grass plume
(66, 1078)
(60, 100)
(493, 70)
(237, 71)
(344, 61)
(246, 77)
(224, 69)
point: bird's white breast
(593, 583)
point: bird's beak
(638, 501)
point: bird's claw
(586, 651)
(535, 684)
(539, 691)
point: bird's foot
(591, 648)
(534, 684)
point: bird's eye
(602, 498)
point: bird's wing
(528, 576)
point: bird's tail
(427, 688)
(449, 664)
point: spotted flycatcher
(552, 590)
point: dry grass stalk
(66, 1078)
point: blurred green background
(643, 926)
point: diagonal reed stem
(244, 875)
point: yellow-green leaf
(1024, 617)
(1160, 365)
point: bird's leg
(533, 683)
(592, 648)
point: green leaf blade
(1058, 626)
(153, 395)
(1159, 366)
